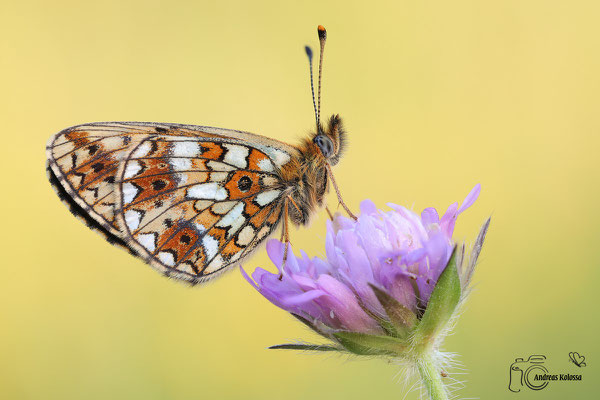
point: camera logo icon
(523, 373)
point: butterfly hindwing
(193, 206)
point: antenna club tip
(308, 51)
(322, 32)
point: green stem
(432, 379)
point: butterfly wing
(82, 162)
(190, 200)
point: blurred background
(436, 97)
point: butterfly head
(331, 140)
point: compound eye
(325, 144)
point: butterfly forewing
(84, 160)
(190, 200)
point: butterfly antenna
(309, 54)
(322, 37)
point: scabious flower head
(398, 251)
(389, 285)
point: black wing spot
(204, 149)
(110, 179)
(185, 239)
(93, 149)
(161, 129)
(153, 147)
(95, 191)
(81, 176)
(159, 184)
(168, 222)
(244, 184)
(97, 167)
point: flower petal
(275, 252)
(470, 199)
(343, 307)
(449, 219)
(367, 207)
(430, 216)
(303, 297)
(247, 277)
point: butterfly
(192, 201)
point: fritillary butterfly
(190, 200)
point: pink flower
(395, 253)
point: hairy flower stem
(432, 378)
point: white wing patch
(186, 149)
(215, 264)
(267, 197)
(129, 192)
(166, 258)
(181, 178)
(280, 157)
(148, 241)
(233, 219)
(132, 219)
(236, 155)
(142, 150)
(211, 246)
(181, 164)
(132, 169)
(265, 165)
(199, 227)
(207, 191)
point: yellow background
(436, 96)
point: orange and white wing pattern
(192, 207)
(82, 164)
(189, 200)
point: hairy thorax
(307, 184)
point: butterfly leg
(337, 191)
(329, 213)
(285, 235)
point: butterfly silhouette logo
(577, 359)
